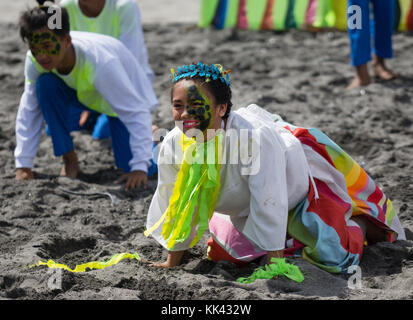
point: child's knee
(47, 82)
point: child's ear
(67, 40)
(222, 109)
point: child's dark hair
(219, 90)
(38, 17)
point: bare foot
(380, 69)
(357, 82)
(361, 79)
(24, 174)
(173, 260)
(83, 117)
(381, 72)
(70, 167)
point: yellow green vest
(82, 79)
(108, 22)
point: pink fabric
(311, 12)
(242, 21)
(238, 245)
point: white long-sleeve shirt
(120, 19)
(258, 204)
(119, 86)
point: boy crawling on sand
(66, 71)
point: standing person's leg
(383, 31)
(360, 42)
(56, 100)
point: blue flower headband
(203, 70)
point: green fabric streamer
(255, 13)
(300, 10)
(208, 8)
(232, 14)
(278, 268)
(280, 14)
(325, 17)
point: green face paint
(199, 107)
(44, 43)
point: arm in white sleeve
(266, 224)
(29, 121)
(131, 35)
(128, 100)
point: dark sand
(301, 76)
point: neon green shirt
(120, 19)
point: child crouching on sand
(260, 185)
(66, 71)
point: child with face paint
(70, 71)
(120, 19)
(295, 194)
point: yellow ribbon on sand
(89, 265)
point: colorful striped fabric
(288, 14)
(319, 228)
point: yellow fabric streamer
(90, 265)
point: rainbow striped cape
(318, 226)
